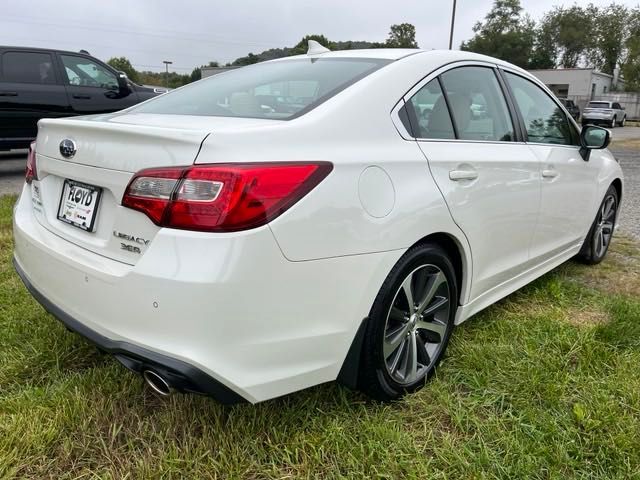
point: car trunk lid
(109, 149)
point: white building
(581, 84)
(210, 71)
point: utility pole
(166, 77)
(453, 21)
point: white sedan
(319, 217)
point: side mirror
(123, 85)
(593, 138)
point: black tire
(423, 267)
(613, 122)
(593, 249)
(624, 119)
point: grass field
(545, 384)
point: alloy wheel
(613, 122)
(416, 325)
(604, 226)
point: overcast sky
(193, 32)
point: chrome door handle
(549, 173)
(457, 175)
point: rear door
(93, 87)
(568, 182)
(29, 90)
(488, 178)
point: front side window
(544, 120)
(431, 113)
(477, 104)
(272, 90)
(28, 67)
(83, 72)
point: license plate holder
(79, 204)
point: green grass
(546, 384)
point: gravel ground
(630, 215)
(12, 165)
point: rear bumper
(227, 312)
(182, 376)
(597, 119)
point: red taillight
(221, 197)
(31, 172)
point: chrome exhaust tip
(157, 383)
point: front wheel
(598, 239)
(409, 324)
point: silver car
(608, 113)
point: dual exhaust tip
(157, 383)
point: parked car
(571, 107)
(219, 247)
(40, 83)
(607, 113)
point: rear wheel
(409, 324)
(613, 122)
(624, 120)
(598, 239)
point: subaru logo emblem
(67, 148)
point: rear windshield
(275, 90)
(598, 105)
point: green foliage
(124, 65)
(631, 67)
(542, 385)
(573, 30)
(611, 33)
(602, 37)
(545, 50)
(505, 34)
(402, 35)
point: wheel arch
(617, 184)
(460, 256)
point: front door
(93, 88)
(568, 181)
(489, 181)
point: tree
(402, 36)
(611, 32)
(505, 34)
(631, 67)
(545, 50)
(124, 65)
(247, 60)
(572, 30)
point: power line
(199, 37)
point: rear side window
(544, 120)
(273, 90)
(598, 105)
(477, 104)
(28, 67)
(431, 113)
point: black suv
(39, 83)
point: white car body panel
(275, 309)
